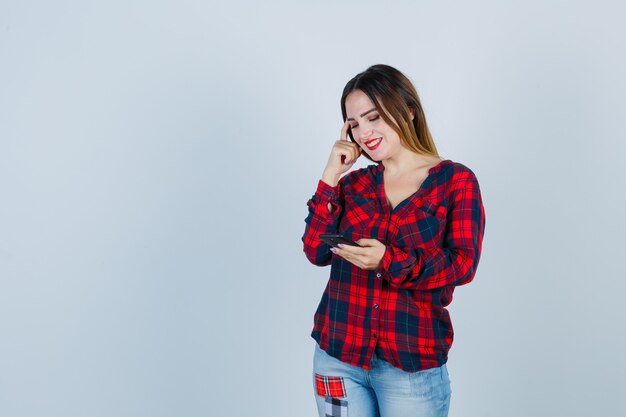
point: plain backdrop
(156, 158)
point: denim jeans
(343, 390)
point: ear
(412, 113)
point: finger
(354, 152)
(339, 252)
(366, 242)
(349, 159)
(349, 146)
(352, 250)
(353, 259)
(344, 152)
(349, 257)
(344, 131)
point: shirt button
(375, 305)
(378, 275)
(374, 336)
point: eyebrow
(362, 114)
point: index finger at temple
(344, 131)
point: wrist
(330, 179)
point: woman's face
(369, 129)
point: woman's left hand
(367, 256)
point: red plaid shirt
(433, 242)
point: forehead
(357, 102)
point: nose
(366, 135)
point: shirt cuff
(385, 263)
(400, 258)
(326, 192)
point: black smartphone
(334, 238)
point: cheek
(383, 127)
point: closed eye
(371, 120)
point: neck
(406, 161)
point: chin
(371, 157)
(377, 157)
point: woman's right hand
(342, 156)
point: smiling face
(369, 130)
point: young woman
(382, 330)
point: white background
(155, 163)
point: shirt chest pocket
(359, 213)
(422, 225)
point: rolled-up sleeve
(320, 220)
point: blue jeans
(383, 391)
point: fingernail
(340, 245)
(333, 250)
